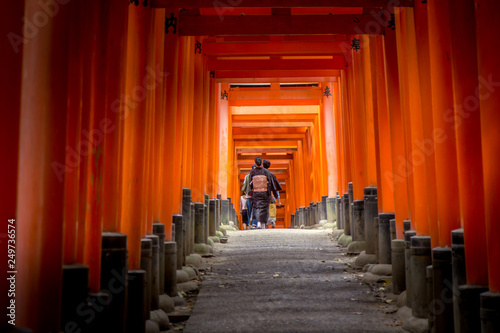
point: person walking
(252, 222)
(276, 183)
(244, 211)
(262, 186)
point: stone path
(279, 280)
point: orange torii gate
(109, 125)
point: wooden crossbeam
(213, 25)
(275, 48)
(275, 95)
(246, 74)
(337, 63)
(189, 4)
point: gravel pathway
(283, 280)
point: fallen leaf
(353, 299)
(276, 275)
(389, 301)
(358, 313)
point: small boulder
(356, 247)
(190, 272)
(182, 276)
(363, 259)
(161, 319)
(382, 269)
(193, 259)
(152, 327)
(179, 301)
(215, 239)
(345, 240)
(187, 286)
(167, 303)
(210, 242)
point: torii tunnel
(118, 114)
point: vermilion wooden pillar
(197, 190)
(385, 185)
(298, 156)
(83, 148)
(211, 151)
(468, 131)
(443, 120)
(186, 104)
(10, 81)
(396, 132)
(358, 122)
(135, 134)
(71, 171)
(95, 138)
(171, 188)
(206, 130)
(40, 193)
(330, 134)
(224, 144)
(346, 133)
(427, 145)
(401, 37)
(413, 115)
(337, 105)
(371, 165)
(487, 24)
(159, 116)
(182, 58)
(115, 113)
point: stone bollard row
(330, 210)
(159, 230)
(178, 222)
(224, 212)
(186, 215)
(420, 259)
(384, 237)
(350, 200)
(370, 211)
(358, 233)
(345, 214)
(340, 221)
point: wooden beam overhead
(213, 25)
(265, 150)
(275, 48)
(272, 124)
(278, 79)
(246, 74)
(189, 4)
(275, 95)
(337, 63)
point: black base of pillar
(490, 312)
(469, 308)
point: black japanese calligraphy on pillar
(327, 92)
(134, 2)
(197, 47)
(171, 22)
(355, 44)
(392, 23)
(224, 95)
(212, 74)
